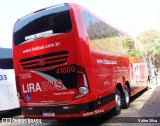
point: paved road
(144, 108)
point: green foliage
(128, 43)
(130, 46)
(151, 40)
(149, 36)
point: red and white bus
(70, 63)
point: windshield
(42, 23)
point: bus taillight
(19, 95)
(82, 83)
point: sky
(131, 16)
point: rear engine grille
(45, 60)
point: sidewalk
(152, 107)
(147, 105)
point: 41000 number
(65, 70)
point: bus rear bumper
(93, 108)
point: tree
(151, 40)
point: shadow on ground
(10, 113)
(138, 94)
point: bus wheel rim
(127, 96)
(118, 101)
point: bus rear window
(52, 20)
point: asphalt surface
(144, 110)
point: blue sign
(28, 97)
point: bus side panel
(110, 71)
(4, 98)
(8, 92)
(99, 82)
(123, 69)
(102, 74)
(83, 55)
(13, 100)
(138, 74)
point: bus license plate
(48, 114)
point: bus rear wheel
(126, 98)
(118, 99)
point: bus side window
(88, 25)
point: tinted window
(108, 38)
(6, 61)
(55, 19)
(102, 35)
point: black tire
(126, 98)
(118, 99)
